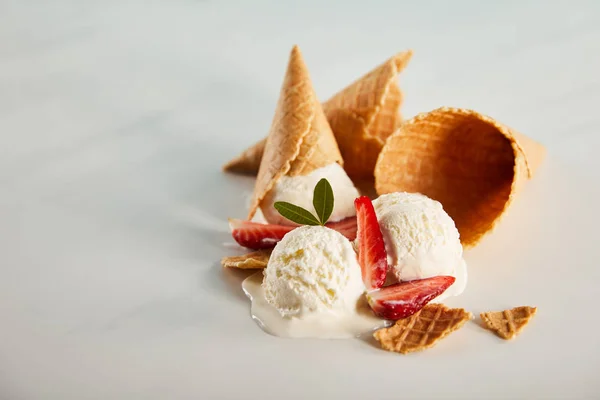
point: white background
(115, 118)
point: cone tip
(402, 58)
(295, 51)
(296, 64)
(405, 53)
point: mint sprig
(322, 201)
(296, 214)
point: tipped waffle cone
(423, 329)
(249, 161)
(300, 139)
(255, 260)
(362, 116)
(366, 113)
(470, 163)
(508, 323)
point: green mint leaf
(295, 214)
(323, 200)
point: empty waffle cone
(362, 116)
(300, 139)
(470, 163)
(365, 114)
(249, 161)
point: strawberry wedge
(254, 235)
(372, 256)
(406, 298)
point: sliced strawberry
(372, 256)
(346, 227)
(406, 298)
(255, 235)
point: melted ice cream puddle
(325, 325)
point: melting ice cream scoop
(421, 239)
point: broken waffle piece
(423, 329)
(255, 260)
(508, 323)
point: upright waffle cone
(470, 163)
(362, 116)
(300, 139)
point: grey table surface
(115, 117)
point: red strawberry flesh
(372, 256)
(255, 235)
(406, 298)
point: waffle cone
(470, 163)
(249, 161)
(362, 116)
(366, 113)
(300, 139)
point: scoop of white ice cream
(421, 239)
(313, 269)
(298, 190)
